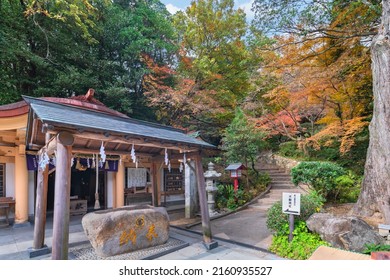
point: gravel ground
(86, 252)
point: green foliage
(227, 198)
(348, 187)
(258, 180)
(321, 176)
(290, 149)
(369, 248)
(64, 49)
(241, 141)
(276, 219)
(301, 247)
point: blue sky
(175, 5)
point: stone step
(276, 182)
(281, 177)
(270, 169)
(279, 185)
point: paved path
(249, 225)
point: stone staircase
(280, 182)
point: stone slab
(126, 229)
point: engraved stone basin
(122, 230)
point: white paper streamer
(132, 154)
(169, 166)
(181, 167)
(102, 153)
(88, 165)
(166, 157)
(43, 160)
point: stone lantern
(211, 187)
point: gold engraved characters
(151, 233)
(127, 236)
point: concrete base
(32, 253)
(211, 245)
(21, 225)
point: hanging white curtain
(136, 177)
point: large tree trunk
(375, 196)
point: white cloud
(172, 8)
(247, 9)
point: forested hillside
(301, 73)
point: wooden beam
(40, 208)
(64, 137)
(136, 140)
(109, 152)
(117, 146)
(207, 236)
(34, 131)
(64, 142)
(89, 142)
(189, 155)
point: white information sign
(291, 203)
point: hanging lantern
(136, 163)
(106, 166)
(184, 157)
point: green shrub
(258, 180)
(321, 176)
(277, 220)
(369, 248)
(348, 187)
(302, 245)
(290, 149)
(226, 197)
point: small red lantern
(235, 170)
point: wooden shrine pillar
(153, 177)
(41, 205)
(40, 208)
(120, 186)
(206, 227)
(62, 196)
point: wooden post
(207, 236)
(40, 208)
(62, 197)
(291, 227)
(153, 177)
(41, 205)
(120, 186)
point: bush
(277, 220)
(319, 175)
(227, 198)
(348, 187)
(369, 248)
(290, 149)
(301, 247)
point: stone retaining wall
(282, 162)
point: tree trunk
(375, 195)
